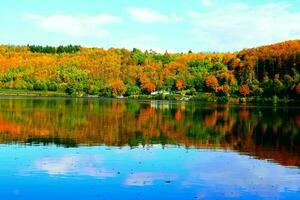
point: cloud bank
(74, 25)
(207, 25)
(238, 26)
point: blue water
(86, 149)
(152, 172)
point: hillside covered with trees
(267, 72)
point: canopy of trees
(49, 49)
(266, 71)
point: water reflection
(264, 132)
(147, 178)
(147, 150)
(73, 164)
(173, 173)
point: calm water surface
(56, 148)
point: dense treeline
(268, 72)
(49, 49)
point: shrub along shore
(200, 97)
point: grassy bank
(8, 92)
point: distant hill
(265, 71)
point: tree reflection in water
(263, 132)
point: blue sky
(173, 25)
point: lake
(60, 148)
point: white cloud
(238, 26)
(74, 25)
(147, 15)
(207, 3)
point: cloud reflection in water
(73, 164)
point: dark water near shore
(58, 148)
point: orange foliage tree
(179, 84)
(118, 87)
(244, 90)
(147, 85)
(211, 82)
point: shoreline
(207, 98)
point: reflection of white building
(185, 99)
(160, 104)
(160, 92)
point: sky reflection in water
(32, 172)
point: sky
(160, 25)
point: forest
(266, 73)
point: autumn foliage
(244, 90)
(211, 82)
(267, 71)
(147, 85)
(179, 84)
(118, 87)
